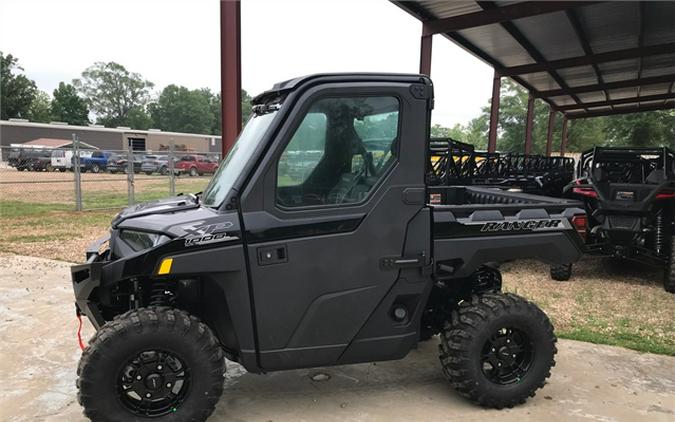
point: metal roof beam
(499, 15)
(607, 85)
(629, 110)
(528, 46)
(583, 40)
(619, 101)
(610, 56)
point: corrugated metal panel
(620, 70)
(541, 81)
(589, 97)
(579, 76)
(663, 64)
(654, 89)
(659, 18)
(603, 108)
(611, 26)
(647, 103)
(496, 41)
(617, 94)
(563, 100)
(551, 34)
(445, 9)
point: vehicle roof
(292, 84)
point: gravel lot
(39, 355)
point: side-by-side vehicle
(318, 242)
(629, 197)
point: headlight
(139, 241)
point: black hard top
(291, 84)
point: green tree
(457, 132)
(650, 128)
(138, 118)
(69, 107)
(246, 106)
(215, 104)
(113, 93)
(17, 92)
(179, 109)
(39, 110)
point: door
(325, 214)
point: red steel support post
(230, 72)
(563, 140)
(549, 132)
(425, 55)
(528, 124)
(494, 112)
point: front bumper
(87, 277)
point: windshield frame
(230, 173)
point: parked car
(155, 164)
(118, 163)
(61, 159)
(30, 159)
(95, 162)
(196, 165)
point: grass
(605, 302)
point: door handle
(269, 255)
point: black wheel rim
(507, 356)
(153, 383)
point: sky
(171, 41)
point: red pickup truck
(196, 165)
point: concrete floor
(38, 356)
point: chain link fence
(76, 178)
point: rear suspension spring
(660, 235)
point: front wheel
(497, 349)
(95, 168)
(151, 363)
(193, 172)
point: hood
(174, 217)
(168, 205)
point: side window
(303, 152)
(339, 152)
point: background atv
(629, 196)
(316, 244)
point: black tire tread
(561, 272)
(134, 321)
(465, 323)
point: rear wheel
(153, 362)
(164, 171)
(95, 168)
(498, 349)
(669, 276)
(148, 173)
(561, 272)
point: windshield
(237, 158)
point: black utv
(629, 197)
(315, 244)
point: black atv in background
(629, 195)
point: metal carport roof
(584, 59)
